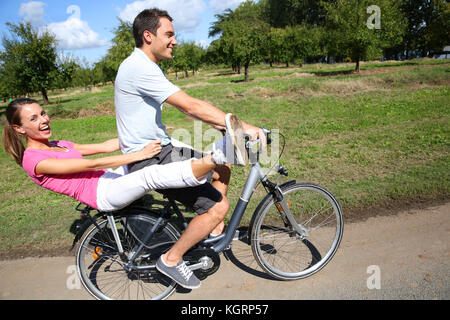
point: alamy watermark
(73, 281)
(374, 280)
(374, 20)
(203, 140)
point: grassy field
(376, 139)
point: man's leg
(204, 224)
(171, 263)
(221, 181)
(211, 206)
(199, 228)
(211, 221)
(220, 178)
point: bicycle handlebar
(251, 143)
(267, 132)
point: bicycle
(293, 233)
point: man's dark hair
(147, 20)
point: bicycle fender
(80, 229)
(287, 184)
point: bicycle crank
(203, 262)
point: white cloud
(219, 6)
(73, 33)
(32, 12)
(186, 14)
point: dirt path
(408, 253)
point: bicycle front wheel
(284, 253)
(102, 270)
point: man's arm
(206, 112)
(197, 109)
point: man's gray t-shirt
(140, 91)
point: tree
(84, 75)
(243, 35)
(218, 25)
(220, 50)
(195, 55)
(426, 31)
(283, 13)
(433, 32)
(179, 61)
(352, 28)
(306, 42)
(67, 66)
(122, 46)
(4, 88)
(29, 60)
(279, 45)
(437, 33)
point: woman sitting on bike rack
(59, 165)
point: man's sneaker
(180, 273)
(231, 149)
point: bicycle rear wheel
(101, 268)
(284, 253)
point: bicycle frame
(218, 243)
(256, 174)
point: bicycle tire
(279, 250)
(102, 271)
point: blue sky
(84, 27)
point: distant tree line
(270, 31)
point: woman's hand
(152, 149)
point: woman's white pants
(117, 189)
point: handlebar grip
(267, 132)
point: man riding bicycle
(140, 90)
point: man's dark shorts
(200, 198)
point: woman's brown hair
(12, 141)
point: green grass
(374, 139)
